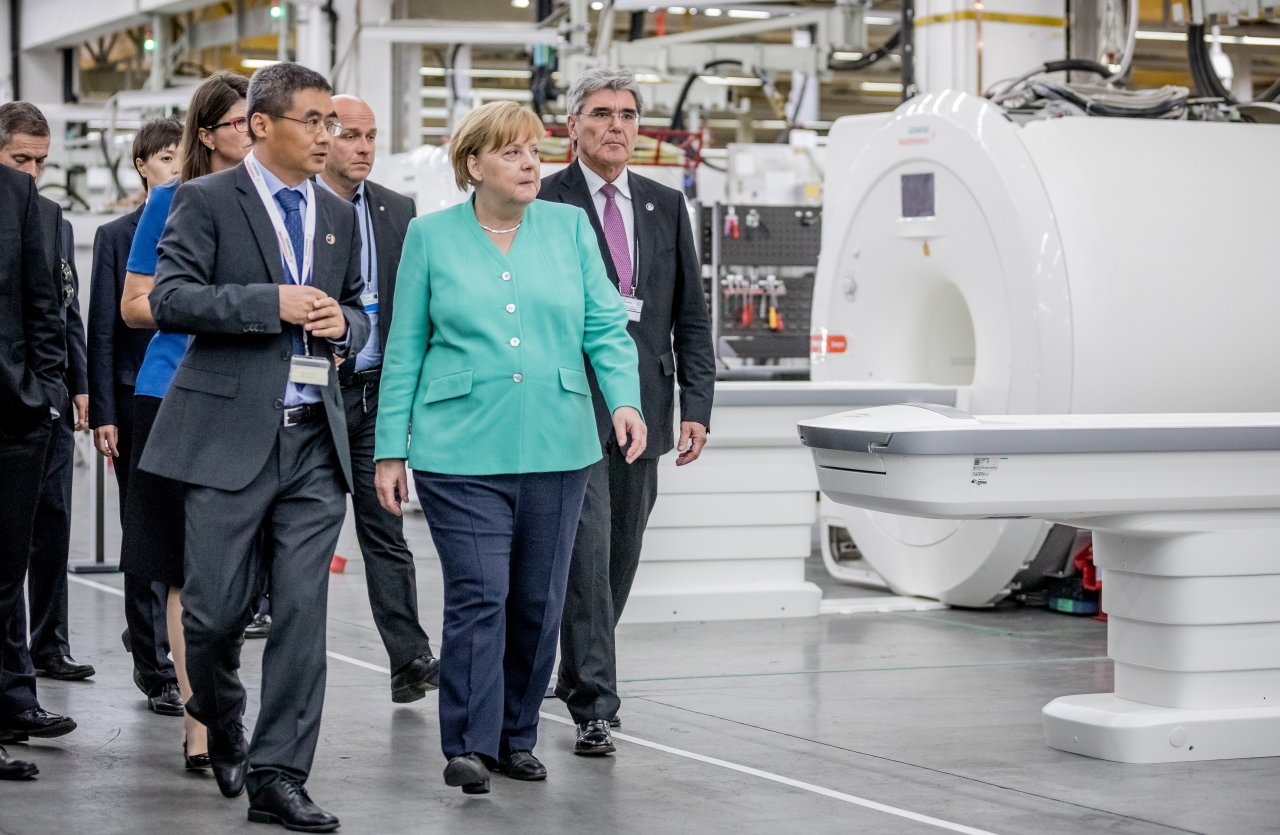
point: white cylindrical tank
(1073, 265)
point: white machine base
(1105, 726)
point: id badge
(370, 302)
(634, 307)
(309, 371)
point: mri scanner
(1185, 513)
(1060, 266)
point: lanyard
(302, 276)
(368, 247)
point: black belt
(307, 412)
(356, 379)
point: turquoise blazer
(484, 372)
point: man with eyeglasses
(383, 217)
(647, 243)
(263, 268)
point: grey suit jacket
(33, 341)
(391, 215)
(673, 336)
(217, 278)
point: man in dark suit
(264, 269)
(383, 216)
(647, 244)
(33, 392)
(115, 354)
(24, 145)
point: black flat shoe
(168, 702)
(469, 772)
(415, 679)
(615, 722)
(594, 739)
(522, 765)
(62, 668)
(11, 769)
(36, 722)
(229, 759)
(199, 762)
(285, 802)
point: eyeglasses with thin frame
(602, 114)
(314, 124)
(240, 125)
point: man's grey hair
(21, 117)
(602, 78)
(272, 87)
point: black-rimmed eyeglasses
(314, 124)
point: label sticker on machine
(984, 468)
(828, 344)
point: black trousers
(144, 601)
(504, 543)
(298, 497)
(606, 554)
(50, 546)
(388, 562)
(21, 473)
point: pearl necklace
(499, 231)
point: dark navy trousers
(505, 542)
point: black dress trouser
(50, 546)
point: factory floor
(905, 722)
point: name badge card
(309, 371)
(634, 307)
(370, 302)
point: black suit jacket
(33, 342)
(673, 336)
(217, 278)
(391, 213)
(115, 349)
(61, 248)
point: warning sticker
(983, 469)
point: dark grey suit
(31, 367)
(673, 339)
(51, 535)
(220, 430)
(388, 562)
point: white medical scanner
(1185, 513)
(1072, 265)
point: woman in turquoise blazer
(485, 393)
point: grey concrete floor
(738, 727)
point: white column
(970, 45)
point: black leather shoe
(36, 722)
(594, 739)
(415, 679)
(168, 702)
(196, 762)
(11, 769)
(615, 722)
(62, 668)
(468, 771)
(229, 758)
(285, 802)
(259, 627)
(522, 765)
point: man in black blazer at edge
(32, 389)
(115, 354)
(383, 217)
(647, 244)
(263, 268)
(24, 145)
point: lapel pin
(382, 208)
(648, 207)
(329, 239)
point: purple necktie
(616, 236)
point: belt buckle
(294, 415)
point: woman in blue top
(214, 138)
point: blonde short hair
(487, 128)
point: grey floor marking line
(917, 766)
(1021, 663)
